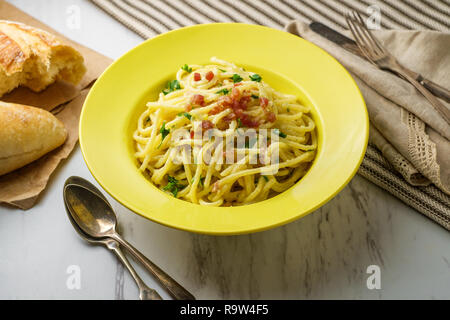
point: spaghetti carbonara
(219, 135)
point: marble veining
(324, 255)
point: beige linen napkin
(412, 136)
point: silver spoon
(145, 293)
(95, 217)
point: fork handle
(173, 287)
(433, 87)
(436, 89)
(145, 293)
(438, 106)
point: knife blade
(352, 47)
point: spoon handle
(173, 287)
(145, 293)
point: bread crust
(35, 58)
(26, 134)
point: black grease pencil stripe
(147, 14)
(327, 5)
(387, 167)
(167, 14)
(437, 9)
(423, 12)
(254, 20)
(323, 14)
(265, 13)
(302, 14)
(289, 16)
(444, 2)
(401, 12)
(400, 188)
(270, 17)
(200, 12)
(129, 13)
(188, 16)
(213, 7)
(120, 19)
(396, 189)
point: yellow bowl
(286, 62)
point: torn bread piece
(35, 59)
(26, 134)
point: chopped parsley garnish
(172, 86)
(223, 91)
(254, 96)
(223, 70)
(164, 132)
(281, 134)
(265, 178)
(185, 114)
(173, 186)
(255, 77)
(239, 123)
(236, 78)
(186, 68)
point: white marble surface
(324, 255)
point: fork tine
(369, 36)
(359, 25)
(352, 28)
(359, 32)
(360, 41)
(374, 40)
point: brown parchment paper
(22, 187)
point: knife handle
(438, 105)
(436, 89)
(351, 46)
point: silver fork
(377, 54)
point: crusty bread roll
(34, 58)
(26, 134)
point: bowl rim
(295, 216)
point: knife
(352, 47)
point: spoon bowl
(94, 219)
(145, 293)
(85, 183)
(91, 213)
